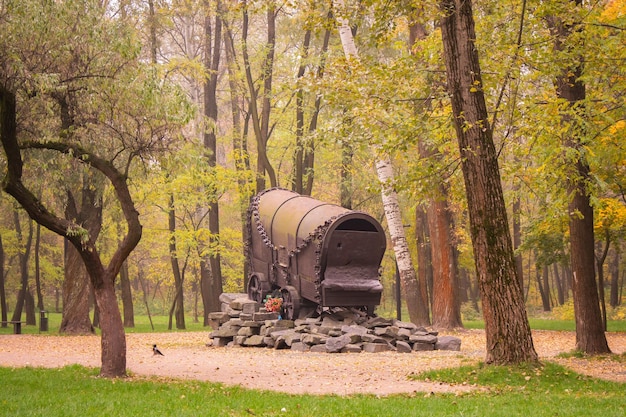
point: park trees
(69, 95)
(293, 99)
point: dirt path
(188, 357)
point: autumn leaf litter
(187, 356)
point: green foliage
(469, 313)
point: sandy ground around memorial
(187, 356)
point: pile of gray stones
(245, 323)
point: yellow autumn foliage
(614, 10)
(610, 215)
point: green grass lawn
(77, 391)
(142, 325)
(550, 324)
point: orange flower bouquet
(273, 304)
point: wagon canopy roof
(290, 218)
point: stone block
(352, 348)
(248, 331)
(250, 307)
(448, 343)
(221, 341)
(300, 347)
(375, 347)
(254, 341)
(427, 338)
(379, 322)
(262, 316)
(318, 348)
(403, 334)
(423, 347)
(269, 341)
(241, 302)
(372, 338)
(335, 344)
(354, 329)
(403, 347)
(291, 338)
(405, 325)
(239, 340)
(220, 316)
(227, 297)
(313, 339)
(228, 332)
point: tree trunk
(127, 297)
(446, 307)
(178, 304)
(40, 305)
(345, 186)
(304, 158)
(570, 88)
(309, 152)
(113, 341)
(212, 63)
(590, 337)
(544, 287)
(205, 290)
(29, 307)
(517, 235)
(558, 281)
(615, 261)
(23, 256)
(3, 294)
(507, 330)
(259, 121)
(76, 302)
(76, 289)
(600, 268)
(298, 162)
(242, 162)
(424, 265)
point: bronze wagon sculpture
(316, 254)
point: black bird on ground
(156, 350)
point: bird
(156, 351)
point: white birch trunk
(384, 171)
(393, 214)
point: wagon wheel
(258, 288)
(291, 302)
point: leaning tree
(79, 90)
(509, 339)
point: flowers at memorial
(273, 304)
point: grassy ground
(142, 325)
(77, 391)
(503, 391)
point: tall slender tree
(570, 89)
(507, 330)
(212, 54)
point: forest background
(202, 104)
